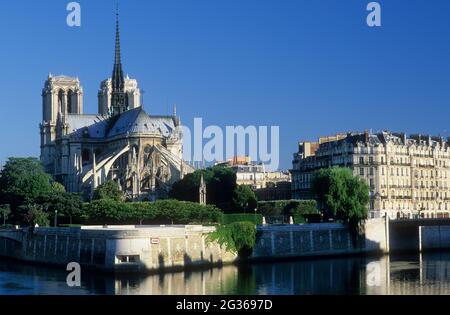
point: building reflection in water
(416, 274)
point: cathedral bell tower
(119, 100)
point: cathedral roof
(137, 121)
(93, 126)
(134, 121)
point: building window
(124, 259)
(361, 171)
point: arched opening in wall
(60, 100)
(86, 156)
(70, 108)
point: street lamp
(56, 218)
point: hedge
(287, 207)
(107, 211)
(256, 219)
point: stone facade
(408, 175)
(253, 174)
(281, 241)
(118, 248)
(142, 153)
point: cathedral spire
(118, 97)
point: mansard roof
(385, 137)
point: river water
(415, 274)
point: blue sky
(313, 67)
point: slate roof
(137, 121)
(93, 126)
(134, 121)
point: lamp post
(56, 218)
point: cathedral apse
(142, 153)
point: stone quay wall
(434, 237)
(125, 248)
(319, 240)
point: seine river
(424, 274)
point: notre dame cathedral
(142, 153)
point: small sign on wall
(154, 240)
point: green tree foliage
(220, 182)
(244, 199)
(57, 187)
(237, 237)
(22, 181)
(108, 211)
(34, 214)
(5, 211)
(288, 207)
(28, 189)
(108, 190)
(254, 218)
(342, 195)
(68, 205)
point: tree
(34, 214)
(57, 187)
(23, 179)
(68, 205)
(5, 211)
(244, 199)
(108, 190)
(220, 186)
(342, 195)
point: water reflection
(418, 274)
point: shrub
(35, 215)
(237, 237)
(108, 190)
(287, 207)
(256, 219)
(108, 211)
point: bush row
(287, 207)
(108, 211)
(256, 219)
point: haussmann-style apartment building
(408, 176)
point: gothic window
(60, 100)
(70, 108)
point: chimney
(366, 136)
